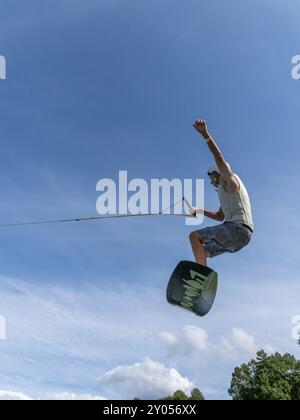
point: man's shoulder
(232, 184)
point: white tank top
(236, 206)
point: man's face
(214, 179)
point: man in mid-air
(235, 209)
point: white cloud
(69, 396)
(193, 341)
(83, 337)
(271, 349)
(72, 323)
(239, 343)
(147, 380)
(169, 339)
(6, 395)
(13, 396)
(71, 335)
(243, 341)
(196, 337)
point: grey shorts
(227, 237)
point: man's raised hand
(201, 127)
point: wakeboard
(193, 287)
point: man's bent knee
(196, 237)
(193, 236)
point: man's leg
(197, 245)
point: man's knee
(195, 237)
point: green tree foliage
(196, 394)
(275, 377)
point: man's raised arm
(201, 127)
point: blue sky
(97, 87)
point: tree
(179, 395)
(196, 395)
(275, 377)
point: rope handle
(192, 212)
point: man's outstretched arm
(226, 172)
